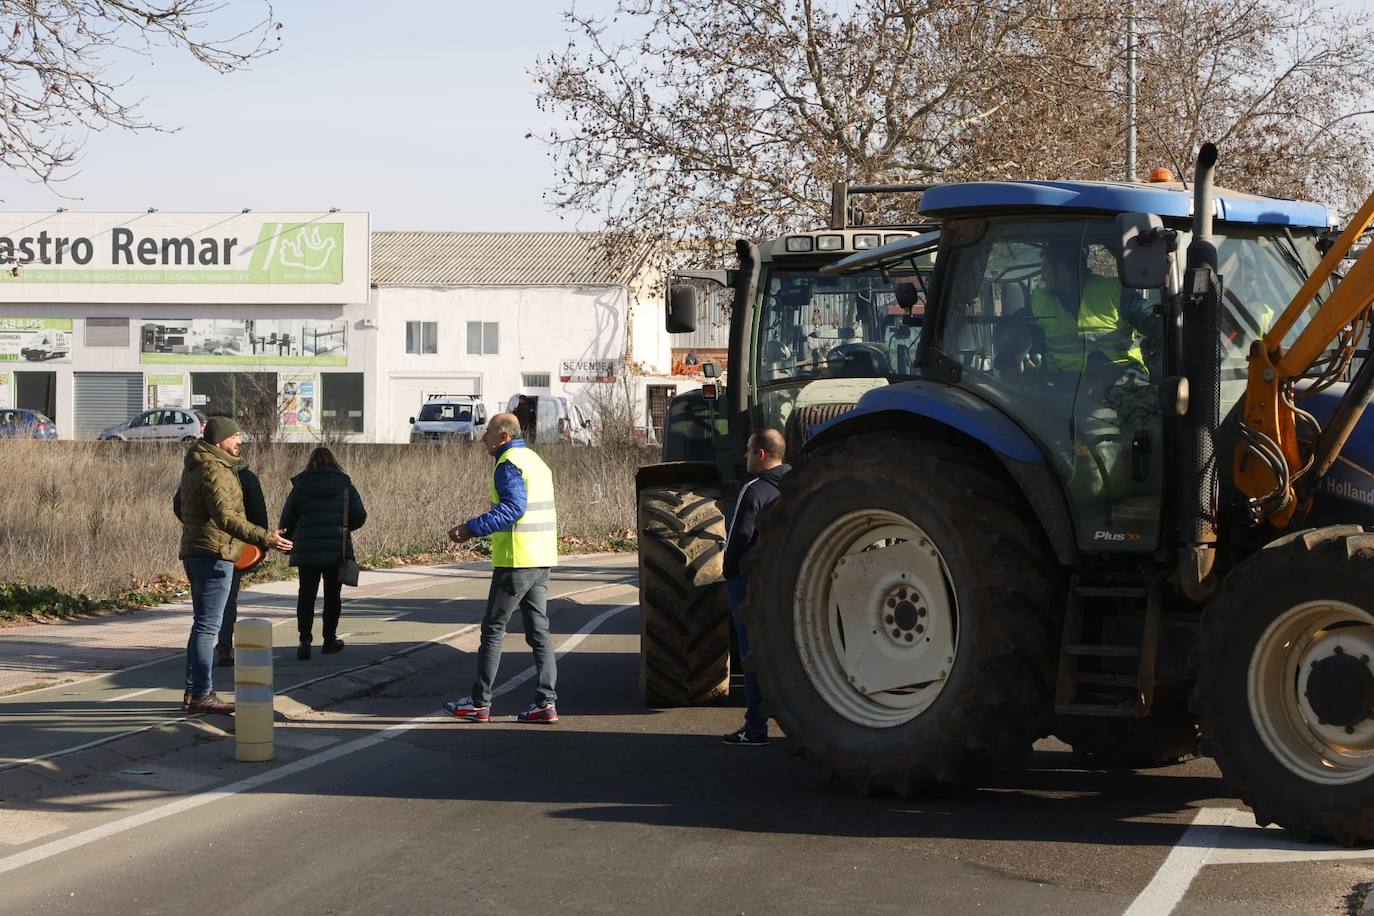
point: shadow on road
(612, 761)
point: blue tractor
(1119, 493)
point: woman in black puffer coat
(314, 521)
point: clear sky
(415, 110)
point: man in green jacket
(255, 510)
(213, 532)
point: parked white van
(548, 419)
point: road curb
(295, 703)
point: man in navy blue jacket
(764, 461)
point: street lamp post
(1130, 90)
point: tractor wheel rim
(875, 623)
(1281, 688)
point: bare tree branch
(708, 119)
(56, 58)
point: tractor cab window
(1033, 311)
(849, 326)
(821, 342)
(1262, 268)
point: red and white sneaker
(467, 710)
(540, 713)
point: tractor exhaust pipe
(1198, 481)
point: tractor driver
(1089, 346)
(1080, 317)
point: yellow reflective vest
(533, 540)
(1097, 328)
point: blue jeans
(528, 590)
(225, 644)
(755, 725)
(212, 580)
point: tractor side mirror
(709, 370)
(908, 297)
(1142, 258)
(681, 313)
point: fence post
(253, 692)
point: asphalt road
(381, 806)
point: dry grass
(96, 518)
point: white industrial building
(332, 328)
(501, 313)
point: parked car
(18, 423)
(550, 419)
(460, 418)
(160, 423)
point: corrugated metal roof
(498, 259)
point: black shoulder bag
(348, 567)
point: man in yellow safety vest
(523, 528)
(1081, 318)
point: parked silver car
(454, 418)
(161, 423)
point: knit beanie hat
(217, 429)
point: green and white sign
(35, 340)
(185, 257)
(165, 390)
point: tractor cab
(820, 341)
(1047, 307)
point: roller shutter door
(105, 398)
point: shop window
(343, 402)
(484, 338)
(249, 397)
(36, 391)
(107, 332)
(422, 337)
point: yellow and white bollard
(253, 692)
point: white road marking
(158, 661)
(1226, 836)
(182, 654)
(96, 677)
(152, 815)
(1167, 888)
(453, 634)
(1229, 837)
(1255, 845)
(130, 696)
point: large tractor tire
(799, 424)
(684, 643)
(901, 615)
(1166, 736)
(1285, 690)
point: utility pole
(1130, 90)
